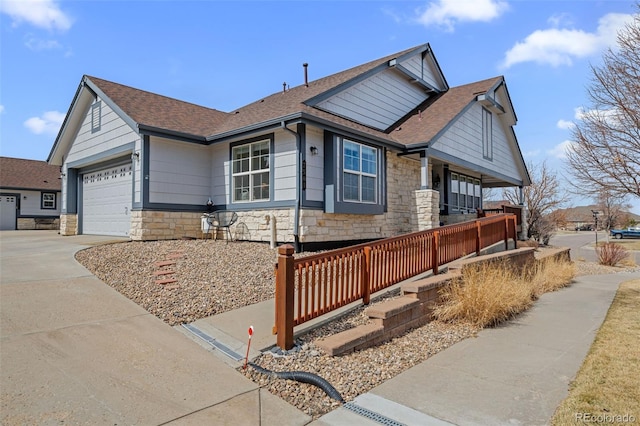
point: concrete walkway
(75, 351)
(516, 374)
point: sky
(226, 54)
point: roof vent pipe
(284, 87)
(306, 78)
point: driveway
(75, 351)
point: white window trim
(251, 173)
(360, 173)
(44, 202)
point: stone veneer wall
(68, 224)
(409, 209)
(251, 225)
(25, 223)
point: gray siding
(88, 147)
(113, 133)
(179, 173)
(464, 140)
(422, 69)
(378, 101)
(315, 165)
(284, 167)
(31, 201)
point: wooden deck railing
(312, 286)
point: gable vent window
(96, 116)
(487, 135)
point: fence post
(478, 237)
(274, 330)
(284, 297)
(434, 252)
(366, 268)
(515, 232)
(506, 233)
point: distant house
(383, 148)
(30, 194)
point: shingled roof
(293, 100)
(164, 113)
(422, 127)
(161, 112)
(19, 173)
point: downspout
(296, 211)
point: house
(381, 149)
(30, 193)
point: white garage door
(8, 212)
(106, 201)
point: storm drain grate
(213, 342)
(371, 415)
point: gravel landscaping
(214, 277)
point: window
(455, 188)
(465, 193)
(251, 171)
(360, 172)
(96, 117)
(487, 135)
(48, 201)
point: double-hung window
(359, 172)
(251, 171)
(48, 201)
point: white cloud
(565, 125)
(1, 109)
(532, 153)
(36, 44)
(40, 13)
(446, 13)
(49, 123)
(560, 150)
(559, 46)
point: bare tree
(613, 208)
(540, 198)
(606, 142)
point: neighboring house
(377, 150)
(29, 194)
(579, 217)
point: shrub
(611, 254)
(551, 274)
(486, 294)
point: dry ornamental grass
(489, 293)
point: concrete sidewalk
(75, 351)
(516, 374)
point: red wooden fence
(315, 285)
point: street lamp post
(595, 218)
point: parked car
(584, 228)
(625, 233)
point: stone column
(68, 224)
(427, 209)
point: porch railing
(309, 287)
